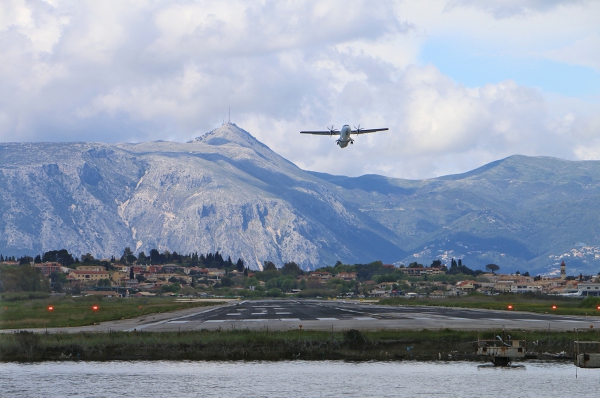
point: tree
(226, 281)
(492, 268)
(269, 266)
(37, 259)
(58, 256)
(87, 258)
(128, 256)
(155, 257)
(104, 282)
(239, 265)
(172, 288)
(291, 268)
(23, 279)
(142, 257)
(436, 263)
(274, 292)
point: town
(171, 274)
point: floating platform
(500, 351)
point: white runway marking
(290, 319)
(256, 320)
(282, 313)
(235, 313)
(365, 318)
(327, 319)
(214, 321)
(178, 322)
(569, 320)
(530, 320)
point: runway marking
(257, 320)
(282, 313)
(328, 319)
(178, 322)
(235, 313)
(259, 313)
(567, 320)
(214, 321)
(290, 319)
(365, 318)
(528, 320)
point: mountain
(227, 191)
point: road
(337, 315)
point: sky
(459, 83)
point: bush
(354, 338)
(274, 292)
(590, 302)
(24, 296)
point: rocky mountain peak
(230, 133)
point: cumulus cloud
(137, 70)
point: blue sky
(473, 66)
(459, 83)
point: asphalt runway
(342, 315)
(333, 315)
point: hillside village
(168, 274)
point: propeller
(357, 129)
(332, 130)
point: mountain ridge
(227, 191)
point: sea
(296, 379)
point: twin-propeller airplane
(344, 133)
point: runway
(341, 315)
(333, 315)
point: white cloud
(512, 8)
(585, 52)
(144, 70)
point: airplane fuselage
(345, 133)
(345, 137)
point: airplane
(344, 133)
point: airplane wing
(364, 131)
(321, 132)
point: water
(294, 378)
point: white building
(588, 289)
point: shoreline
(243, 344)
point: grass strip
(79, 311)
(244, 344)
(519, 302)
